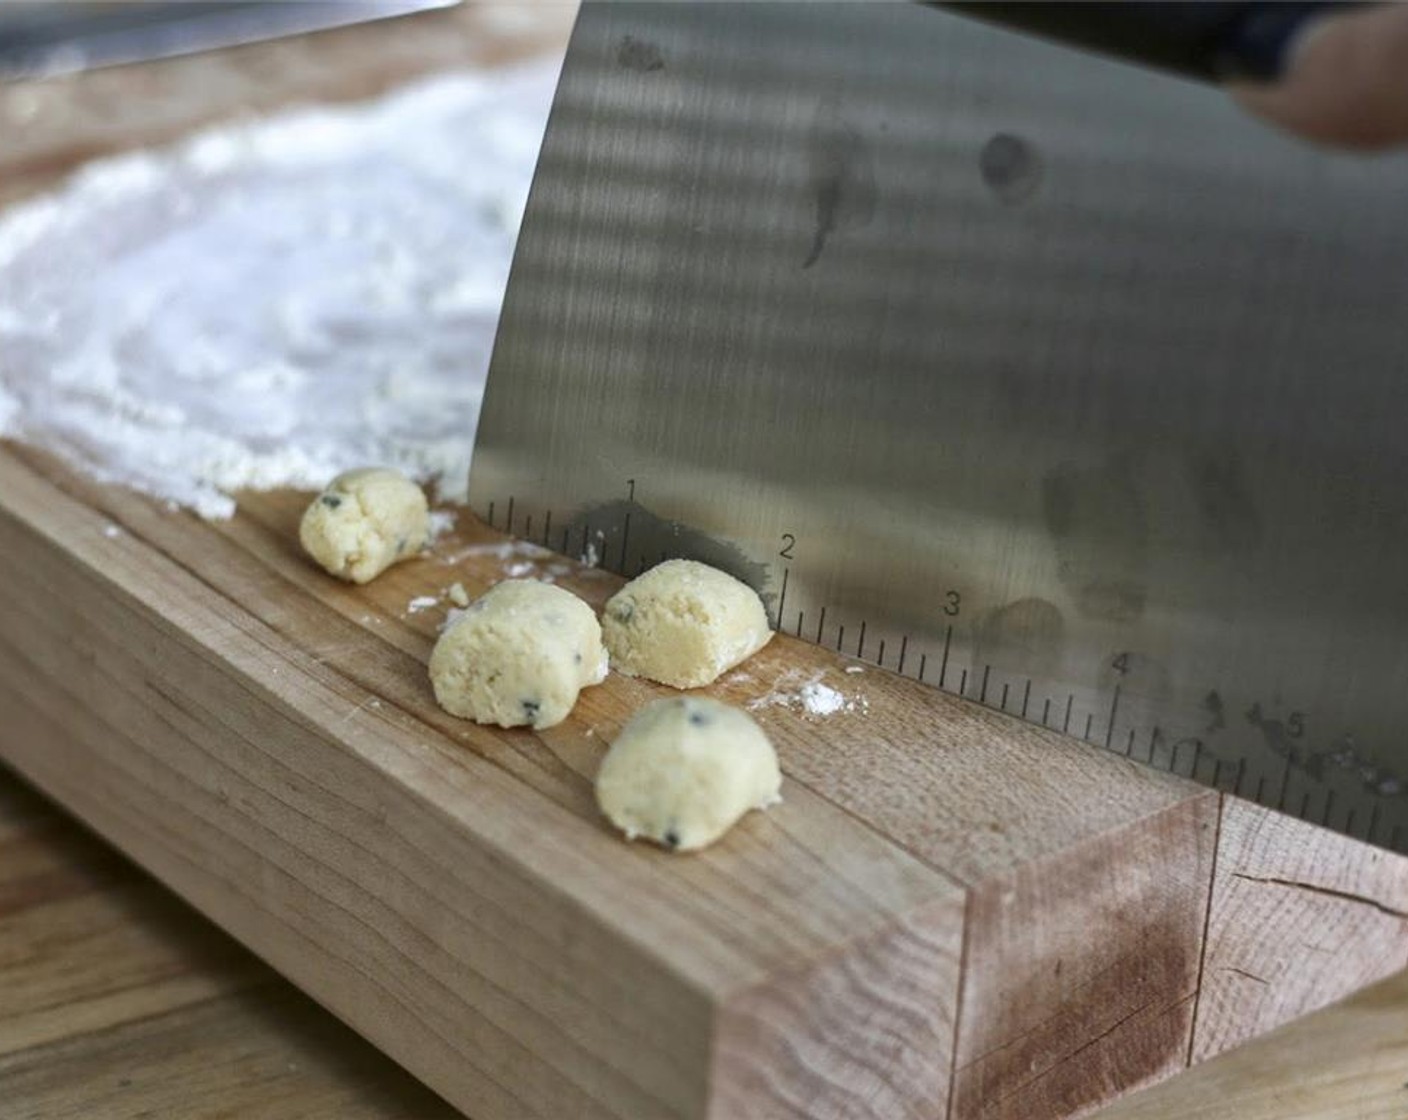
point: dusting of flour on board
(268, 304)
(799, 691)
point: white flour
(821, 700)
(268, 304)
(796, 690)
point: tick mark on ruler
(820, 625)
(963, 683)
(1026, 698)
(860, 645)
(904, 646)
(1004, 697)
(1066, 727)
(983, 691)
(1045, 711)
(1089, 719)
(547, 528)
(509, 526)
(923, 664)
(943, 668)
(1114, 707)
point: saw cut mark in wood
(951, 913)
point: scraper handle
(1207, 40)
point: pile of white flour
(268, 304)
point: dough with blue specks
(684, 770)
(365, 521)
(518, 656)
(684, 624)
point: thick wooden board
(147, 1010)
(1023, 911)
(447, 889)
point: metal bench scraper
(1047, 379)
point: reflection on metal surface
(40, 39)
(1037, 377)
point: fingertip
(1345, 83)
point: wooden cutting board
(124, 1003)
(951, 914)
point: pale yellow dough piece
(518, 656)
(683, 623)
(365, 521)
(684, 770)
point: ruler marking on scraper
(985, 408)
(1114, 707)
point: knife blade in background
(1044, 379)
(41, 39)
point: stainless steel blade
(1048, 381)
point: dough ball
(683, 770)
(683, 623)
(365, 521)
(518, 656)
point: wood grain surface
(1023, 911)
(1300, 918)
(448, 889)
(951, 913)
(121, 1002)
